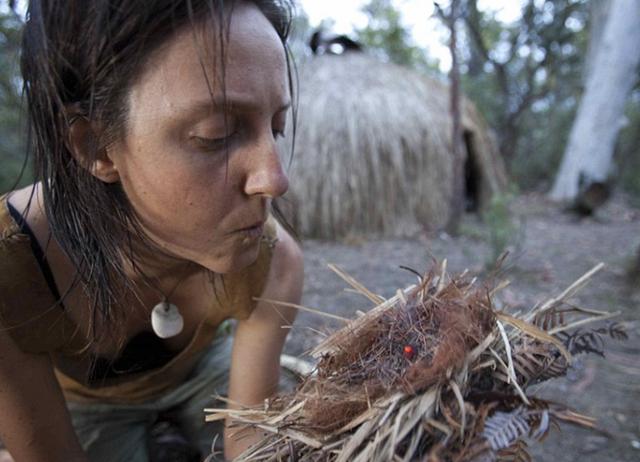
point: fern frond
(616, 331)
(590, 341)
(516, 453)
(503, 429)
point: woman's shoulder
(9, 228)
(15, 251)
(28, 309)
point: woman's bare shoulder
(28, 308)
(27, 203)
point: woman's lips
(252, 232)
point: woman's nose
(266, 176)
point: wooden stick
(376, 299)
(303, 308)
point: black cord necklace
(166, 319)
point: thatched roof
(373, 149)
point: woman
(154, 127)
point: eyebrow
(232, 103)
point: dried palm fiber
(435, 373)
(372, 149)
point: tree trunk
(457, 196)
(600, 115)
(475, 62)
(599, 13)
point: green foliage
(525, 77)
(633, 269)
(628, 150)
(527, 73)
(539, 152)
(501, 227)
(11, 118)
(386, 35)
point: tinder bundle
(436, 373)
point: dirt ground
(551, 250)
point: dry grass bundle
(373, 150)
(435, 373)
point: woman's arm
(255, 361)
(34, 422)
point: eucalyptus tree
(610, 77)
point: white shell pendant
(166, 320)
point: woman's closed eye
(207, 144)
(278, 123)
(215, 144)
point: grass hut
(373, 150)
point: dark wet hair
(87, 54)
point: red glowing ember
(408, 351)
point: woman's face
(201, 176)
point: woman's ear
(82, 142)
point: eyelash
(212, 144)
(215, 144)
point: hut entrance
(472, 175)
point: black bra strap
(37, 252)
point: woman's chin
(234, 262)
